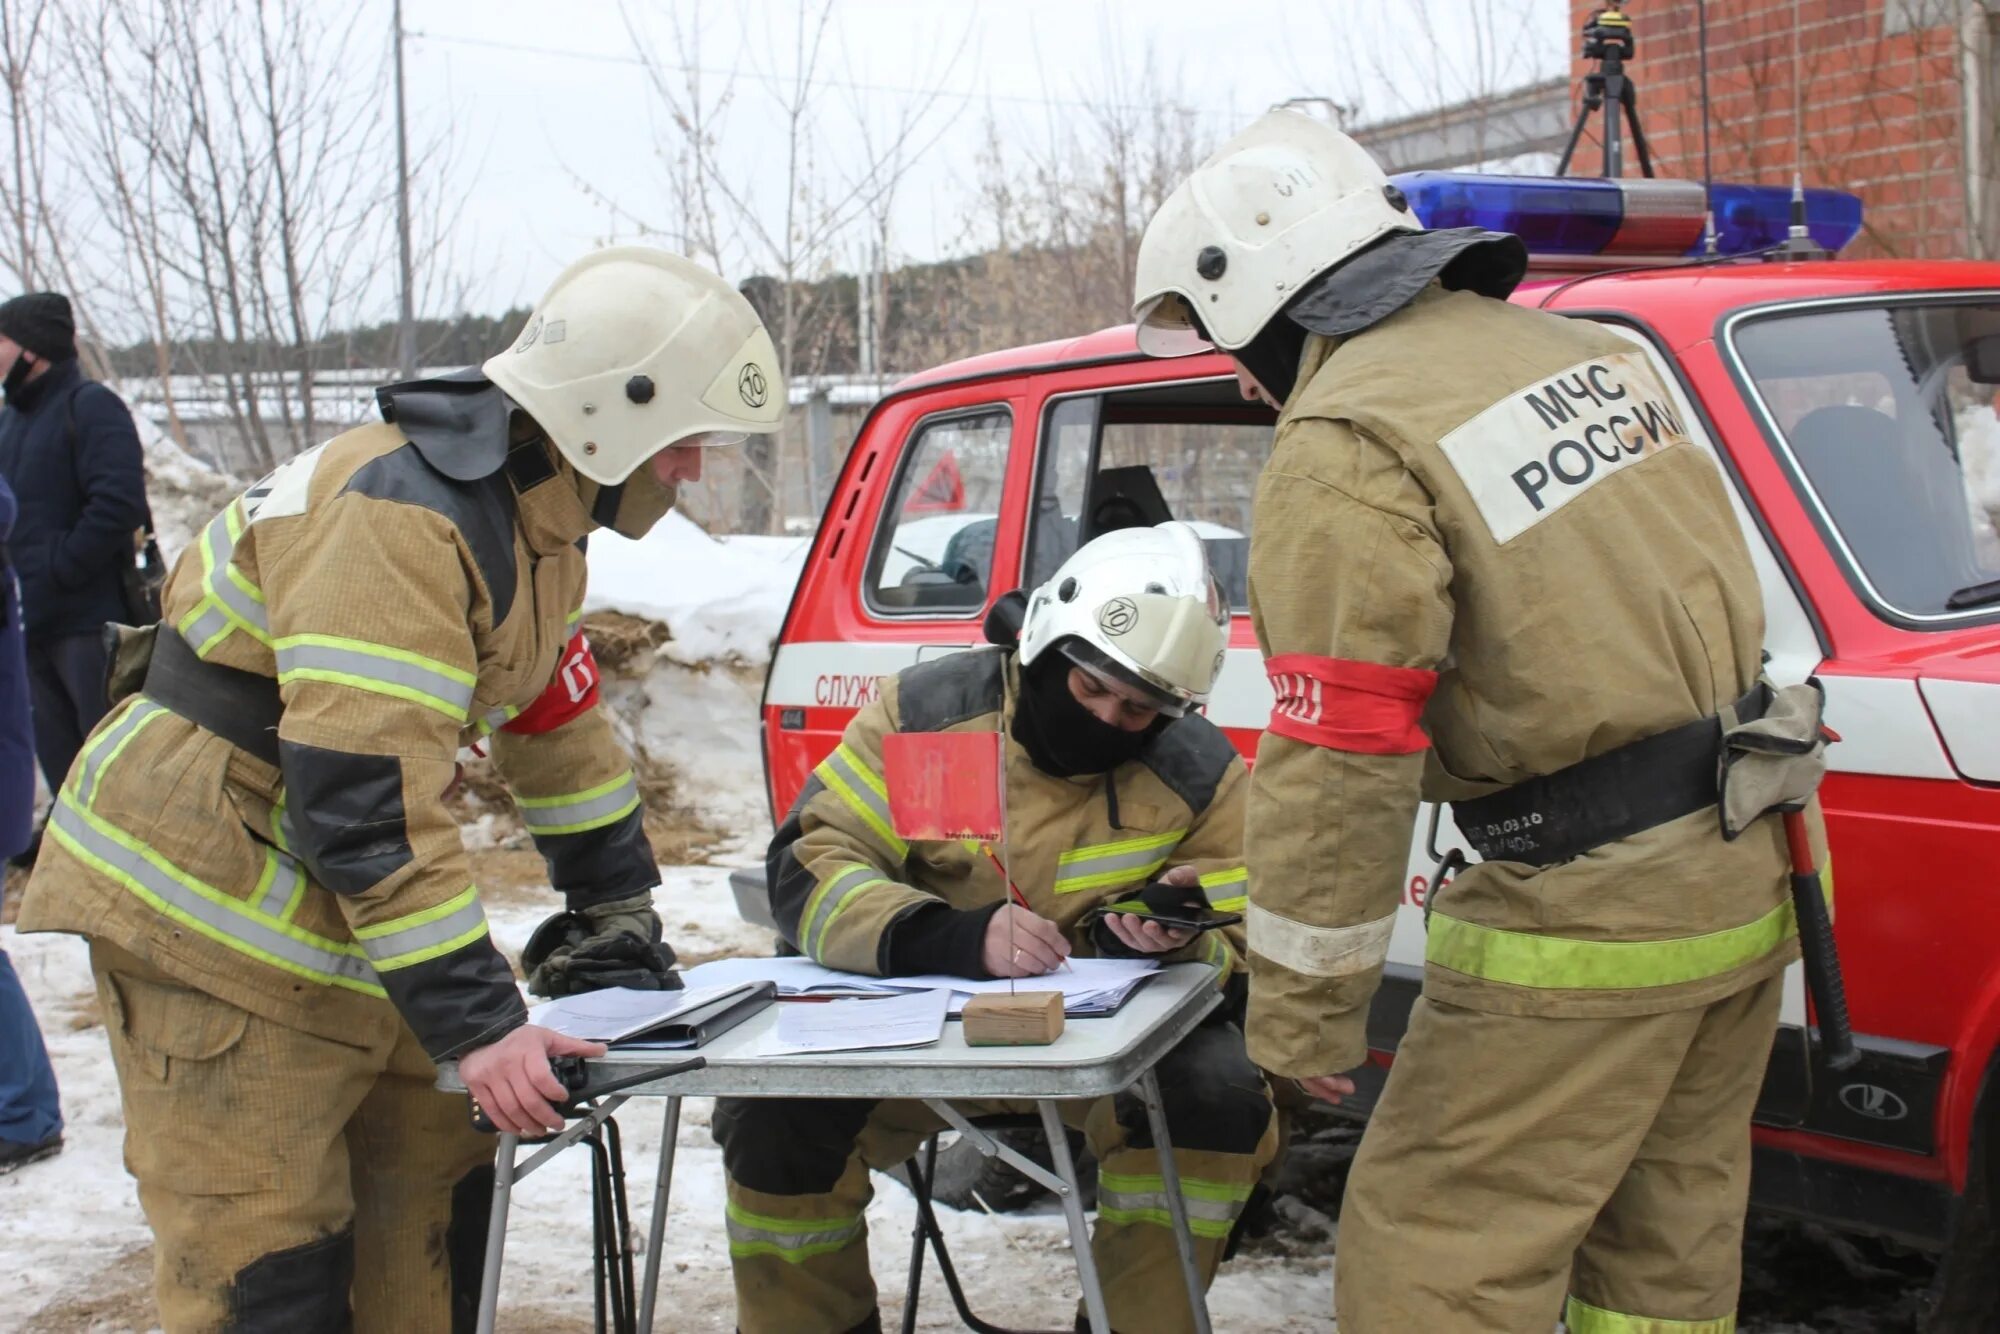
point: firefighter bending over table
(282, 921)
(1488, 561)
(1117, 794)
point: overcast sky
(541, 96)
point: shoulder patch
(1543, 445)
(934, 695)
(482, 510)
(1191, 756)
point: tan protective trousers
(290, 1179)
(1513, 1158)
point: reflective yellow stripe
(203, 908)
(791, 1239)
(378, 668)
(833, 897)
(1103, 865)
(579, 812)
(229, 590)
(1211, 1206)
(425, 934)
(1580, 1317)
(1217, 886)
(1524, 960)
(845, 773)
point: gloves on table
(614, 944)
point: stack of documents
(1090, 987)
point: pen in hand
(1015, 891)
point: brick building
(1894, 99)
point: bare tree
(789, 221)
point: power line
(607, 58)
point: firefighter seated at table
(1118, 794)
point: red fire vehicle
(1851, 407)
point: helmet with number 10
(1137, 606)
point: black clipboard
(697, 1028)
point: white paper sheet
(1088, 986)
(908, 1019)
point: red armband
(1346, 705)
(574, 691)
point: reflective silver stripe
(1113, 863)
(1226, 890)
(574, 815)
(826, 903)
(847, 774)
(203, 908)
(359, 666)
(1215, 1211)
(220, 547)
(286, 876)
(427, 935)
(496, 719)
(203, 629)
(793, 1241)
(1319, 951)
(102, 748)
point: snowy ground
(73, 1234)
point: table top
(1092, 1059)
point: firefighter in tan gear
(282, 921)
(1489, 566)
(1118, 798)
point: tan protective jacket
(841, 878)
(1493, 516)
(402, 613)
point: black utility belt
(241, 707)
(1605, 798)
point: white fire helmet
(633, 349)
(1281, 203)
(1139, 606)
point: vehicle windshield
(1888, 412)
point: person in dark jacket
(30, 1116)
(69, 451)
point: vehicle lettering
(846, 690)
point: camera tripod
(1608, 40)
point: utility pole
(406, 322)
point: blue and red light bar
(1594, 220)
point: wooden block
(1024, 1019)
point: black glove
(616, 944)
(1156, 897)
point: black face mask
(1063, 738)
(17, 375)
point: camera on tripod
(1608, 41)
(1607, 35)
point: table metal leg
(1079, 1226)
(496, 1231)
(1170, 1179)
(656, 1229)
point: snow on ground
(722, 598)
(68, 1222)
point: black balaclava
(1063, 738)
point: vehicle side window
(934, 549)
(1187, 451)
